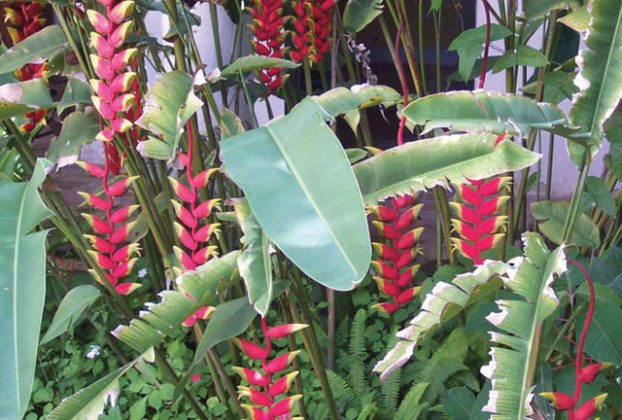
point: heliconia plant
(269, 34)
(24, 19)
(311, 23)
(267, 398)
(394, 268)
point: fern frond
(357, 335)
(390, 391)
(411, 406)
(341, 389)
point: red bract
(267, 28)
(111, 102)
(22, 20)
(394, 269)
(478, 221)
(311, 29)
(266, 398)
(192, 230)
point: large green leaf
(78, 129)
(426, 163)
(71, 307)
(442, 303)
(254, 262)
(554, 214)
(36, 48)
(168, 105)
(483, 111)
(302, 191)
(535, 9)
(523, 56)
(469, 45)
(600, 75)
(88, 403)
(22, 288)
(160, 319)
(19, 98)
(531, 277)
(604, 338)
(342, 100)
(256, 62)
(360, 13)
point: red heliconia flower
(268, 31)
(270, 390)
(311, 29)
(192, 230)
(478, 221)
(589, 372)
(588, 409)
(558, 400)
(394, 267)
(22, 20)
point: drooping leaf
(607, 270)
(578, 19)
(88, 403)
(230, 124)
(442, 303)
(287, 170)
(470, 45)
(603, 198)
(535, 9)
(342, 100)
(35, 48)
(154, 324)
(457, 402)
(19, 98)
(480, 110)
(254, 262)
(78, 129)
(360, 13)
(71, 307)
(600, 75)
(411, 406)
(524, 56)
(554, 214)
(427, 163)
(256, 62)
(604, 338)
(168, 105)
(22, 288)
(531, 277)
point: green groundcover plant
(222, 268)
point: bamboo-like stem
(306, 67)
(295, 363)
(440, 200)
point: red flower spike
(98, 278)
(386, 287)
(202, 179)
(184, 258)
(465, 230)
(468, 195)
(101, 260)
(122, 59)
(491, 225)
(185, 237)
(588, 409)
(409, 239)
(465, 248)
(122, 31)
(465, 213)
(119, 188)
(99, 21)
(252, 376)
(252, 350)
(386, 230)
(407, 277)
(492, 206)
(489, 242)
(281, 362)
(385, 252)
(206, 207)
(384, 270)
(100, 245)
(182, 191)
(282, 385)
(123, 213)
(255, 413)
(121, 234)
(102, 68)
(189, 322)
(184, 215)
(386, 307)
(102, 89)
(122, 82)
(589, 372)
(203, 254)
(558, 400)
(92, 169)
(408, 217)
(284, 406)
(97, 224)
(121, 11)
(124, 268)
(283, 330)
(103, 48)
(125, 252)
(402, 200)
(383, 213)
(94, 201)
(256, 397)
(203, 234)
(126, 288)
(406, 258)
(205, 312)
(407, 295)
(494, 186)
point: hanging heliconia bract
(112, 100)
(22, 20)
(267, 398)
(311, 29)
(395, 271)
(269, 35)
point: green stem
(307, 73)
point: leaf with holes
(35, 48)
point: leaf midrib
(309, 196)
(18, 226)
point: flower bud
(252, 350)
(558, 400)
(281, 362)
(285, 406)
(252, 376)
(282, 385)
(121, 11)
(283, 330)
(126, 288)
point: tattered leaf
(35, 48)
(554, 214)
(360, 13)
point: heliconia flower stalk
(583, 375)
(266, 402)
(23, 19)
(193, 231)
(311, 29)
(394, 267)
(268, 31)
